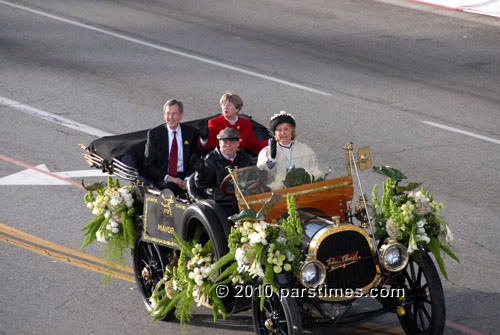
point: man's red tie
(172, 162)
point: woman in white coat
(285, 153)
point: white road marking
(53, 117)
(165, 49)
(33, 177)
(463, 132)
(81, 173)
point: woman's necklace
(288, 155)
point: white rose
(196, 292)
(254, 238)
(256, 270)
(263, 240)
(199, 280)
(260, 227)
(423, 237)
(115, 201)
(240, 256)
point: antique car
(341, 255)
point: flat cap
(228, 134)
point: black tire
(149, 267)
(280, 314)
(200, 215)
(425, 312)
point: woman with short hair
(231, 105)
(285, 152)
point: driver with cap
(211, 172)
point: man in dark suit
(169, 148)
(211, 172)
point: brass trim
(383, 250)
(364, 158)
(348, 150)
(309, 191)
(144, 230)
(329, 230)
(323, 268)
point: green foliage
(114, 253)
(180, 295)
(297, 176)
(114, 219)
(411, 218)
(184, 245)
(247, 215)
(257, 251)
(389, 172)
(267, 205)
(223, 261)
(409, 187)
(268, 280)
(92, 229)
(93, 187)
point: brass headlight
(312, 274)
(393, 256)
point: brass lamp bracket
(364, 158)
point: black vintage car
(339, 247)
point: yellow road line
(370, 328)
(385, 329)
(61, 257)
(30, 238)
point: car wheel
(279, 315)
(149, 268)
(425, 308)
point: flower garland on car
(113, 225)
(258, 250)
(187, 282)
(411, 218)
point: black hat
(228, 134)
(282, 117)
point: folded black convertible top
(109, 147)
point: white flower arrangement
(256, 244)
(198, 268)
(113, 207)
(257, 251)
(412, 218)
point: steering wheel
(246, 179)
